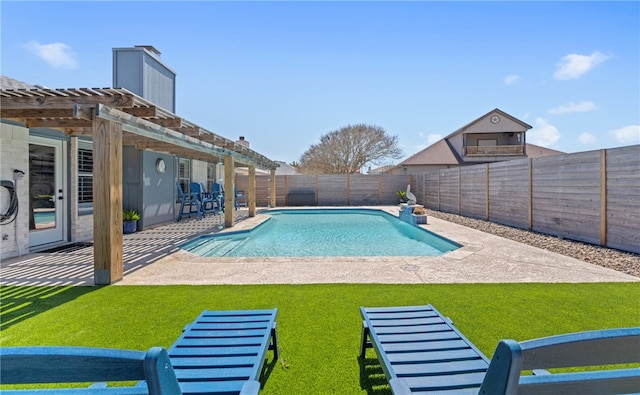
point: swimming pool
(324, 232)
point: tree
(347, 150)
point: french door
(47, 209)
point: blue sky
(284, 73)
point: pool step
(227, 247)
(207, 247)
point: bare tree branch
(347, 150)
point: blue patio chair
(240, 198)
(190, 201)
(207, 204)
(218, 194)
(151, 372)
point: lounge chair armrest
(251, 387)
(399, 386)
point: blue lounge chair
(422, 352)
(223, 352)
(44, 365)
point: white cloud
(543, 134)
(627, 135)
(573, 66)
(57, 55)
(510, 79)
(584, 106)
(432, 138)
(587, 138)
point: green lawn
(318, 325)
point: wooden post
(603, 197)
(107, 201)
(459, 190)
(438, 189)
(530, 218)
(286, 191)
(317, 185)
(380, 189)
(229, 196)
(486, 203)
(348, 190)
(272, 186)
(251, 191)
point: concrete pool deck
(153, 258)
(484, 258)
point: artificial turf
(318, 325)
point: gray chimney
(140, 70)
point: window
(211, 175)
(85, 177)
(184, 173)
(487, 142)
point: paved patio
(153, 257)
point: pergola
(114, 117)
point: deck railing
(497, 150)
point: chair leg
(365, 343)
(274, 342)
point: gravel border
(625, 262)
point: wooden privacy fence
(332, 189)
(589, 196)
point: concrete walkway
(153, 258)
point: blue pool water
(324, 232)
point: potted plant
(402, 195)
(130, 221)
(421, 214)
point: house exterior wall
(158, 190)
(14, 148)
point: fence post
(272, 188)
(317, 189)
(286, 190)
(486, 209)
(379, 188)
(530, 218)
(459, 190)
(438, 189)
(348, 189)
(603, 197)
